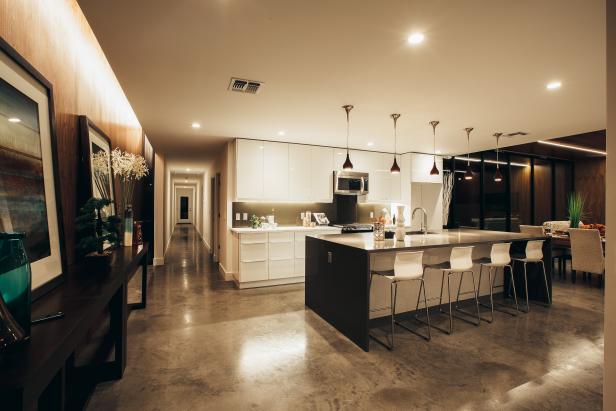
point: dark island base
(337, 285)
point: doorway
(184, 200)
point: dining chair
(532, 230)
(587, 252)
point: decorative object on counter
(96, 235)
(395, 168)
(386, 216)
(434, 171)
(321, 219)
(448, 181)
(96, 163)
(29, 178)
(389, 234)
(255, 222)
(379, 231)
(138, 233)
(400, 231)
(347, 163)
(498, 177)
(15, 290)
(575, 207)
(129, 168)
(468, 174)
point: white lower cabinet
(270, 258)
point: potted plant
(96, 235)
(575, 207)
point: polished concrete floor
(202, 344)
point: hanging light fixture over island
(347, 163)
(395, 168)
(434, 171)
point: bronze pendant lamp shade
(498, 177)
(395, 168)
(347, 163)
(468, 174)
(434, 171)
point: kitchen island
(338, 272)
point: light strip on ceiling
(570, 147)
(478, 160)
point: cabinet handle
(329, 257)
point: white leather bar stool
(460, 262)
(408, 266)
(534, 255)
(499, 258)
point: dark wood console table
(43, 373)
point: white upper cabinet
(421, 165)
(249, 169)
(322, 174)
(300, 172)
(275, 171)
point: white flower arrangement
(128, 167)
(101, 174)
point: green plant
(92, 230)
(575, 207)
(255, 222)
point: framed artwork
(29, 201)
(96, 160)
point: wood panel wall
(54, 36)
(590, 180)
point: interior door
(184, 208)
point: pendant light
(395, 168)
(347, 163)
(434, 171)
(468, 175)
(498, 177)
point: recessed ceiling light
(188, 169)
(195, 125)
(416, 38)
(370, 144)
(553, 85)
(14, 120)
(281, 133)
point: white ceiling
(484, 63)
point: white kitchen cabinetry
(249, 169)
(274, 257)
(275, 171)
(322, 174)
(300, 172)
(421, 165)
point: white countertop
(284, 228)
(446, 238)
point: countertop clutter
(284, 228)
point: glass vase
(15, 288)
(128, 226)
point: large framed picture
(96, 161)
(29, 201)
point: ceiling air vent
(517, 133)
(244, 86)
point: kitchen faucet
(424, 220)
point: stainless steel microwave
(351, 183)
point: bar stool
(408, 266)
(534, 255)
(499, 258)
(460, 262)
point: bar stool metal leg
(475, 294)
(515, 295)
(526, 288)
(491, 285)
(547, 288)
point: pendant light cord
(348, 109)
(497, 135)
(468, 145)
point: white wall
(609, 379)
(159, 209)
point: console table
(43, 372)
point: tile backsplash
(284, 213)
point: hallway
(203, 344)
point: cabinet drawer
(300, 249)
(253, 271)
(252, 238)
(280, 251)
(285, 237)
(300, 267)
(280, 269)
(300, 236)
(253, 252)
